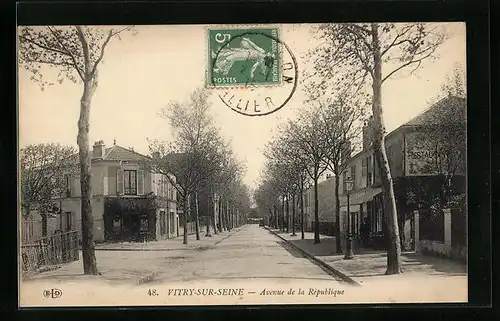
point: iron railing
(431, 225)
(50, 251)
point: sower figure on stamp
(248, 50)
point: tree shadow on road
(327, 247)
(290, 249)
(437, 264)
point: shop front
(129, 220)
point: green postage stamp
(243, 57)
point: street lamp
(349, 253)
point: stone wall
(442, 249)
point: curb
(163, 249)
(328, 268)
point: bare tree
(351, 54)
(340, 124)
(191, 154)
(42, 168)
(305, 147)
(446, 133)
(76, 52)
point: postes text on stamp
(239, 57)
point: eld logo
(53, 293)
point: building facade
(129, 203)
(326, 207)
(414, 160)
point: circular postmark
(254, 71)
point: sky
(141, 74)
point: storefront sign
(420, 155)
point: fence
(30, 230)
(191, 227)
(48, 251)
(458, 227)
(431, 225)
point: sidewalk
(369, 266)
(173, 244)
(135, 263)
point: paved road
(250, 253)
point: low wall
(442, 249)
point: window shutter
(140, 182)
(119, 181)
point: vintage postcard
(257, 164)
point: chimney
(367, 134)
(99, 149)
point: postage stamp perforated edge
(208, 58)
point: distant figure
(365, 231)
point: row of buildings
(417, 180)
(129, 202)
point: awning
(359, 197)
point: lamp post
(349, 253)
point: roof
(118, 153)
(175, 158)
(442, 107)
(427, 117)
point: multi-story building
(326, 207)
(413, 162)
(129, 202)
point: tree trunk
(337, 211)
(275, 216)
(209, 217)
(394, 248)
(227, 218)
(27, 212)
(221, 227)
(197, 216)
(302, 208)
(282, 214)
(287, 214)
(88, 247)
(186, 207)
(316, 211)
(293, 215)
(231, 216)
(44, 224)
(214, 212)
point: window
(353, 176)
(162, 223)
(130, 182)
(344, 180)
(67, 185)
(379, 220)
(162, 186)
(172, 222)
(66, 222)
(369, 170)
(117, 225)
(376, 172)
(144, 224)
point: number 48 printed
(152, 292)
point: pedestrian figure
(365, 231)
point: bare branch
(80, 73)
